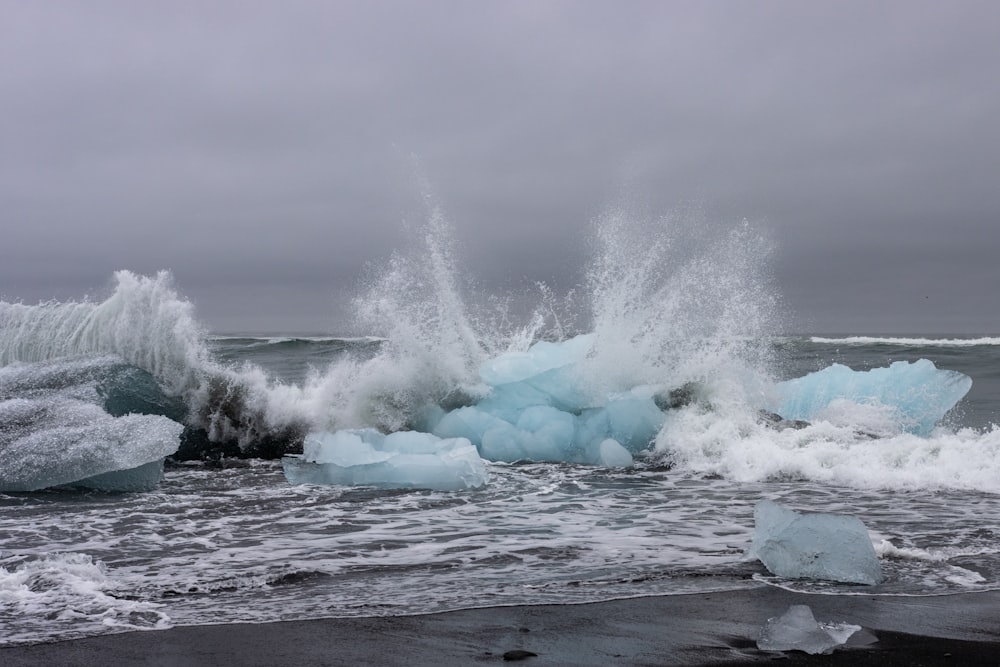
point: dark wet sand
(703, 629)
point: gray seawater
(239, 543)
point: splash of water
(144, 322)
(674, 301)
(148, 325)
(434, 340)
(670, 304)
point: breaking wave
(669, 303)
(907, 342)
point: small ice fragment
(797, 630)
(613, 455)
(832, 547)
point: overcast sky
(264, 152)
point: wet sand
(701, 629)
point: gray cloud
(262, 151)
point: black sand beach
(701, 629)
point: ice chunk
(54, 441)
(540, 357)
(633, 422)
(141, 478)
(613, 455)
(406, 459)
(918, 393)
(537, 410)
(797, 630)
(832, 547)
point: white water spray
(144, 322)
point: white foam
(144, 322)
(907, 342)
(69, 594)
(733, 444)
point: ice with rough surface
(58, 441)
(89, 422)
(832, 547)
(406, 459)
(797, 630)
(918, 393)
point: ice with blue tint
(402, 460)
(145, 477)
(798, 630)
(537, 411)
(543, 356)
(831, 547)
(537, 407)
(918, 393)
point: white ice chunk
(613, 455)
(404, 460)
(345, 448)
(540, 357)
(918, 393)
(57, 441)
(832, 547)
(797, 630)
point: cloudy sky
(264, 152)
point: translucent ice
(406, 459)
(57, 441)
(797, 630)
(93, 422)
(917, 393)
(540, 357)
(537, 411)
(145, 477)
(832, 547)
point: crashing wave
(152, 331)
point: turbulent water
(224, 539)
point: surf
(668, 304)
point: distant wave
(275, 340)
(909, 342)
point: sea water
(226, 539)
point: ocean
(225, 538)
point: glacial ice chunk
(797, 630)
(541, 357)
(92, 422)
(55, 441)
(537, 410)
(833, 547)
(402, 460)
(918, 393)
(612, 455)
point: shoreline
(691, 629)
